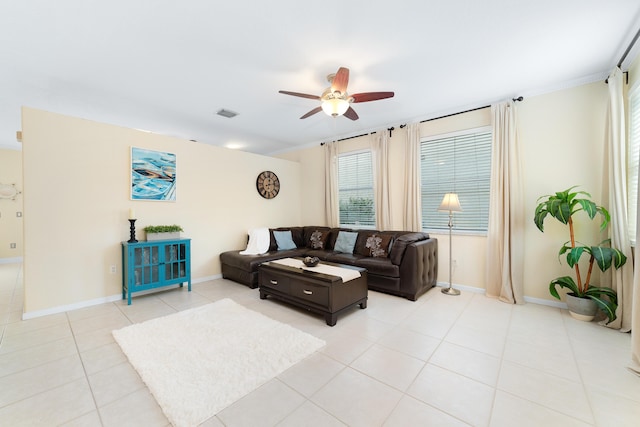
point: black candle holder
(132, 231)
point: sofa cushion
(345, 242)
(401, 242)
(318, 239)
(379, 266)
(296, 234)
(333, 236)
(373, 243)
(284, 240)
(341, 258)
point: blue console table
(155, 264)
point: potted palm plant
(563, 206)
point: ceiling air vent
(227, 113)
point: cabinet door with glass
(149, 265)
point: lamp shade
(450, 203)
(335, 106)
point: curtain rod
(391, 129)
(626, 52)
(351, 137)
(624, 56)
(455, 114)
(520, 98)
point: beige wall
(10, 223)
(76, 196)
(76, 204)
(561, 136)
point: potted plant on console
(563, 206)
(162, 232)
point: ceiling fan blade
(351, 114)
(371, 96)
(340, 81)
(312, 112)
(301, 95)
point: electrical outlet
(12, 245)
(113, 269)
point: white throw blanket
(259, 241)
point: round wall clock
(268, 184)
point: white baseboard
(69, 307)
(465, 288)
(111, 298)
(531, 300)
(206, 278)
(541, 301)
(10, 260)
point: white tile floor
(440, 361)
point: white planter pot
(584, 309)
(163, 236)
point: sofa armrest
(404, 239)
(419, 268)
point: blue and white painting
(153, 175)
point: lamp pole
(450, 202)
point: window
(633, 155)
(355, 189)
(458, 163)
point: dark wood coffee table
(314, 291)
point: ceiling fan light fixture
(335, 100)
(335, 106)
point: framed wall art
(153, 175)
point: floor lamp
(451, 204)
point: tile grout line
(575, 361)
(504, 349)
(466, 305)
(84, 369)
(16, 284)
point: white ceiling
(168, 66)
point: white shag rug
(199, 361)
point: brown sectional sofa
(401, 263)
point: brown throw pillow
(378, 245)
(318, 239)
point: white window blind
(461, 164)
(355, 189)
(633, 157)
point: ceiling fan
(335, 99)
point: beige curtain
(505, 234)
(615, 191)
(331, 202)
(635, 297)
(412, 220)
(381, 197)
(635, 315)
